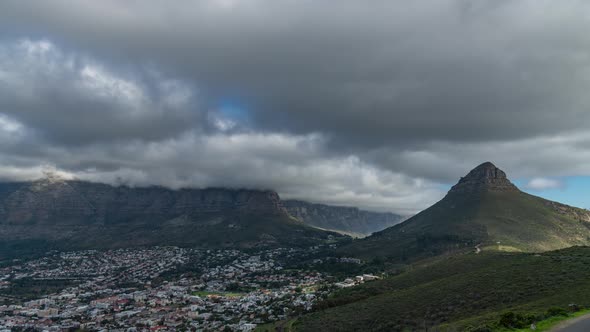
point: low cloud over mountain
(368, 105)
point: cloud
(449, 71)
(537, 156)
(293, 165)
(74, 99)
(86, 121)
(544, 184)
(374, 105)
(9, 126)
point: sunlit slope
(484, 209)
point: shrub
(574, 307)
(482, 328)
(512, 320)
(556, 311)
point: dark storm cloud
(414, 92)
(70, 99)
(425, 71)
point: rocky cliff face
(44, 201)
(485, 177)
(342, 219)
(54, 213)
(82, 203)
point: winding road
(580, 324)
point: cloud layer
(544, 184)
(371, 104)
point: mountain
(56, 213)
(486, 210)
(347, 220)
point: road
(580, 324)
(477, 248)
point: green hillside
(461, 292)
(484, 209)
(229, 231)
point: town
(161, 289)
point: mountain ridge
(484, 209)
(346, 219)
(75, 214)
(484, 177)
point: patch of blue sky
(234, 111)
(574, 190)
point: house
(369, 277)
(246, 327)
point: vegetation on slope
(500, 218)
(461, 292)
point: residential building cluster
(159, 289)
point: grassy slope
(519, 221)
(555, 321)
(240, 231)
(459, 291)
(530, 223)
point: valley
(346, 220)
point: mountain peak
(49, 180)
(486, 165)
(485, 177)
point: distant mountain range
(483, 209)
(343, 219)
(55, 213)
(486, 210)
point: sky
(377, 104)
